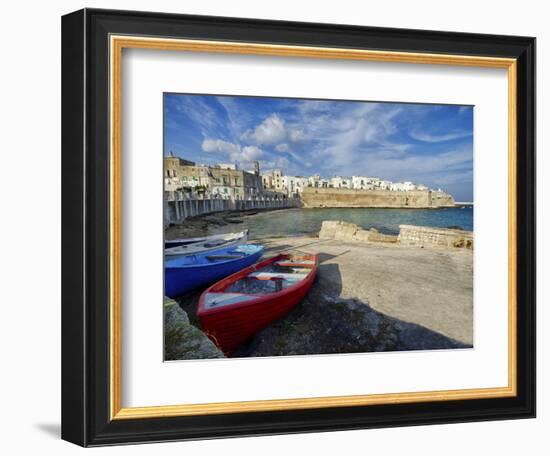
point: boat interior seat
(288, 263)
(278, 275)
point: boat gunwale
(173, 252)
(211, 252)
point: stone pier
(411, 235)
(425, 236)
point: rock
(362, 236)
(324, 325)
(343, 231)
(328, 229)
(379, 237)
(183, 340)
(425, 236)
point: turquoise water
(296, 222)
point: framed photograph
(278, 227)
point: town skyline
(424, 144)
(269, 171)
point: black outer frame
(85, 227)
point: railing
(179, 205)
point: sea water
(299, 222)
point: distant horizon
(424, 144)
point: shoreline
(238, 220)
(198, 225)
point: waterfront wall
(344, 231)
(424, 236)
(177, 207)
(331, 197)
(418, 236)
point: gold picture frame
(117, 45)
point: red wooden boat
(237, 307)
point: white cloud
(220, 146)
(431, 138)
(417, 168)
(247, 154)
(273, 130)
(235, 153)
(277, 162)
(296, 135)
(199, 112)
(283, 147)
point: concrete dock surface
(428, 287)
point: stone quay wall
(177, 208)
(332, 197)
(344, 231)
(418, 236)
(423, 236)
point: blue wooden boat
(185, 273)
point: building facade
(403, 186)
(222, 181)
(341, 182)
(294, 185)
(227, 181)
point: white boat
(185, 241)
(193, 246)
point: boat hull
(229, 327)
(180, 280)
(208, 244)
(184, 241)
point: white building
(277, 179)
(171, 184)
(224, 192)
(267, 181)
(273, 180)
(294, 185)
(341, 182)
(313, 181)
(318, 182)
(383, 184)
(402, 186)
(363, 182)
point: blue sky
(428, 144)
